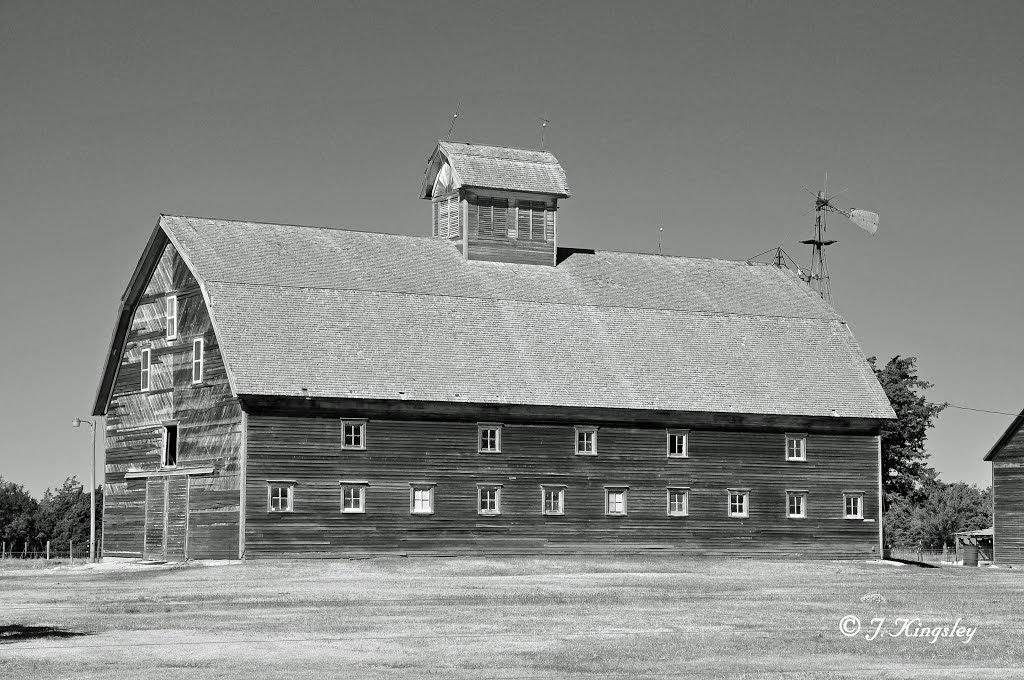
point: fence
(52, 551)
(937, 555)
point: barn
(1007, 458)
(275, 390)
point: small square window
(739, 503)
(488, 499)
(144, 366)
(586, 441)
(796, 504)
(421, 499)
(853, 505)
(353, 497)
(796, 447)
(353, 434)
(615, 500)
(171, 314)
(280, 496)
(678, 502)
(488, 438)
(197, 360)
(678, 441)
(552, 500)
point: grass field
(567, 617)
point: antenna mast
(451, 128)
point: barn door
(166, 507)
(156, 512)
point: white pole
(92, 497)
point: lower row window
(281, 496)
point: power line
(968, 408)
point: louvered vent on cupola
(495, 203)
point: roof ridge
(411, 293)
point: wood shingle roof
(501, 167)
(379, 316)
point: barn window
(677, 443)
(488, 438)
(678, 502)
(280, 496)
(197, 360)
(353, 497)
(169, 455)
(586, 441)
(796, 447)
(615, 500)
(534, 221)
(796, 504)
(353, 434)
(144, 365)
(552, 500)
(421, 499)
(739, 503)
(853, 505)
(171, 314)
(488, 499)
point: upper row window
(353, 434)
(489, 438)
(586, 441)
(171, 314)
(796, 447)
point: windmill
(817, 276)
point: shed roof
(498, 167)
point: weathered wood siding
(203, 510)
(399, 452)
(494, 249)
(1008, 501)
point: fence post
(47, 551)
(71, 551)
(3, 549)
(24, 551)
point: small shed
(981, 539)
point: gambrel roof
(497, 167)
(353, 314)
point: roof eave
(1009, 434)
(133, 292)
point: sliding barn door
(166, 509)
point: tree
(937, 513)
(64, 514)
(904, 460)
(17, 514)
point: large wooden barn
(1007, 458)
(276, 390)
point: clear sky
(704, 119)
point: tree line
(919, 509)
(60, 517)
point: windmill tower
(817, 277)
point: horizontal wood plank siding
(518, 251)
(209, 428)
(399, 452)
(1008, 502)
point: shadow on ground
(17, 633)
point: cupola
(495, 203)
